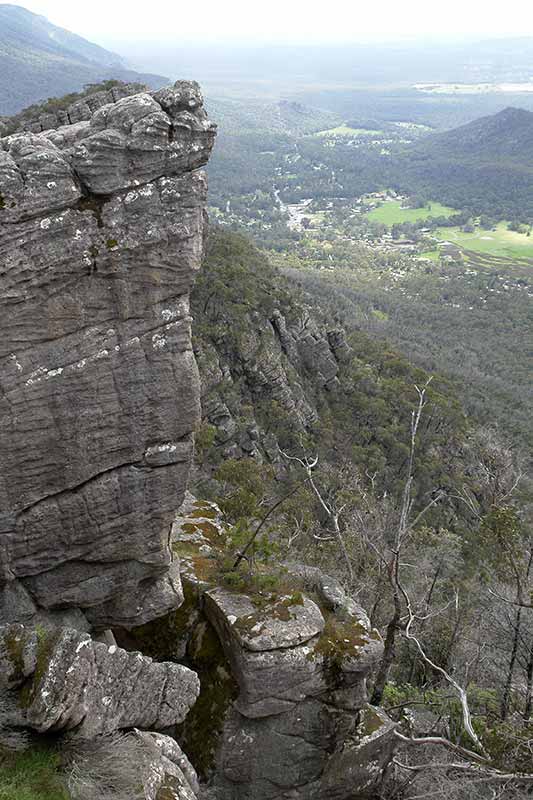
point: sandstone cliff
(101, 233)
(102, 225)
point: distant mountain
(485, 166)
(39, 60)
(506, 135)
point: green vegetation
(33, 774)
(341, 641)
(392, 211)
(483, 167)
(499, 241)
(364, 421)
(465, 320)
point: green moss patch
(203, 513)
(46, 641)
(207, 529)
(342, 640)
(370, 722)
(279, 609)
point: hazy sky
(292, 20)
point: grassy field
(500, 242)
(31, 775)
(391, 212)
(345, 130)
(432, 255)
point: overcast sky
(292, 20)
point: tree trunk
(388, 654)
(506, 699)
(529, 687)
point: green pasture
(499, 242)
(391, 212)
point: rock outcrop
(67, 681)
(72, 112)
(170, 775)
(267, 360)
(101, 234)
(283, 709)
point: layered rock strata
(101, 233)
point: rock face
(170, 775)
(72, 112)
(286, 694)
(101, 233)
(67, 681)
(272, 359)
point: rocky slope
(283, 709)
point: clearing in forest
(498, 242)
(392, 212)
(345, 130)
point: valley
(266, 484)
(452, 287)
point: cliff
(101, 234)
(116, 610)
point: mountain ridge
(39, 60)
(483, 167)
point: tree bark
(389, 653)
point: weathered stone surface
(287, 622)
(362, 759)
(72, 112)
(68, 681)
(170, 775)
(301, 669)
(101, 234)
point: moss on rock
(199, 734)
(46, 641)
(342, 640)
(370, 722)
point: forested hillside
(484, 167)
(38, 60)
(286, 377)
